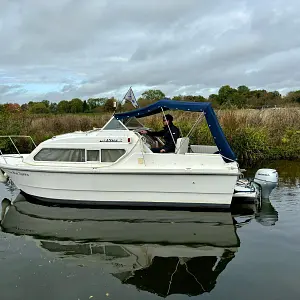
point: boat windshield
(133, 123)
(114, 124)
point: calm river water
(70, 254)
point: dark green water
(70, 254)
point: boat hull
(133, 204)
(128, 189)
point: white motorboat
(114, 165)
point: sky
(62, 49)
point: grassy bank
(254, 135)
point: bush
(254, 135)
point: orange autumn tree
(12, 107)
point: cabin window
(111, 155)
(66, 155)
(92, 155)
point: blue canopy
(205, 107)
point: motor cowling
(3, 176)
(268, 180)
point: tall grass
(254, 135)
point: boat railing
(11, 137)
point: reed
(254, 135)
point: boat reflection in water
(162, 252)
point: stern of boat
(7, 162)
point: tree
(109, 105)
(12, 107)
(46, 102)
(126, 106)
(214, 99)
(262, 98)
(53, 107)
(63, 106)
(153, 95)
(76, 106)
(242, 89)
(30, 103)
(238, 100)
(229, 96)
(149, 97)
(276, 94)
(190, 98)
(293, 96)
(85, 106)
(24, 107)
(225, 94)
(96, 102)
(39, 108)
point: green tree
(262, 98)
(190, 98)
(126, 106)
(85, 106)
(109, 105)
(149, 97)
(214, 99)
(46, 102)
(53, 107)
(230, 97)
(76, 106)
(293, 96)
(242, 89)
(24, 107)
(96, 102)
(276, 94)
(39, 108)
(225, 94)
(63, 106)
(153, 95)
(238, 100)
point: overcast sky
(61, 49)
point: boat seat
(204, 149)
(182, 145)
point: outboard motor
(3, 176)
(268, 180)
(5, 204)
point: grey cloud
(11, 93)
(68, 88)
(6, 89)
(103, 47)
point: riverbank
(254, 135)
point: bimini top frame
(205, 107)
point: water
(67, 253)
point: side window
(111, 155)
(66, 155)
(92, 155)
